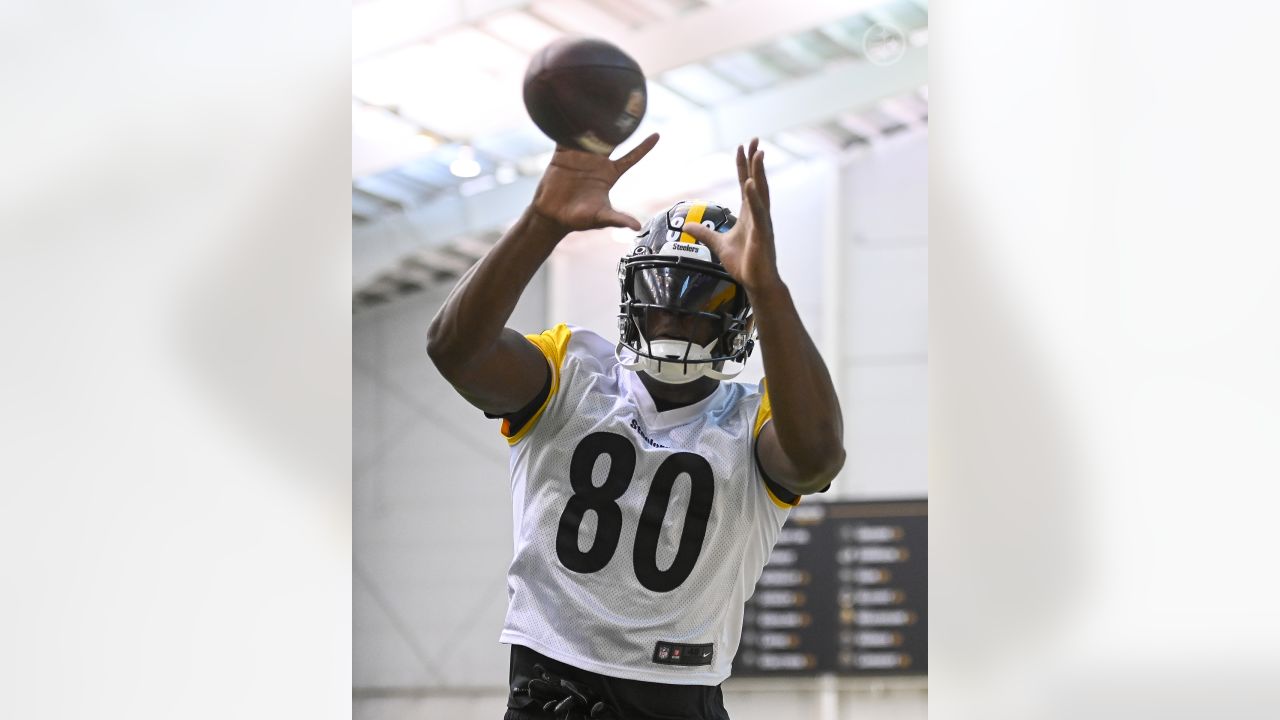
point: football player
(647, 491)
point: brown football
(585, 93)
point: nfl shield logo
(662, 653)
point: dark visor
(678, 288)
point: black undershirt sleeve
(779, 492)
(519, 418)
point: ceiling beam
(816, 98)
(473, 247)
(841, 87)
(700, 34)
(376, 197)
(438, 260)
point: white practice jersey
(639, 534)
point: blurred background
(177, 256)
(444, 157)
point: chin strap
(718, 375)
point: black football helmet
(667, 270)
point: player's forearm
(806, 411)
(476, 312)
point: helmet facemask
(682, 315)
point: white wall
(431, 503)
(431, 507)
(884, 351)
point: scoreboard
(845, 591)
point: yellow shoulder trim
(765, 413)
(553, 343)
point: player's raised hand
(747, 251)
(574, 190)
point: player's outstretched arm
(494, 367)
(802, 449)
